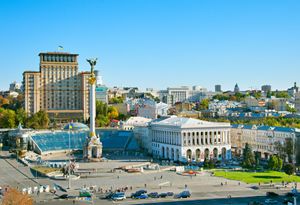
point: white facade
(187, 139)
(150, 109)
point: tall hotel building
(57, 88)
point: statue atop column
(92, 62)
(92, 149)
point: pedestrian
(73, 201)
(221, 183)
(185, 186)
(161, 177)
(145, 185)
(239, 183)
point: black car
(153, 195)
(170, 193)
(64, 196)
(290, 194)
(163, 195)
(272, 194)
(184, 194)
(138, 193)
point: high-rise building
(266, 88)
(57, 88)
(218, 88)
(14, 86)
(101, 89)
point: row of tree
(105, 113)
(10, 119)
(251, 160)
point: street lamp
(69, 167)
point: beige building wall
(57, 88)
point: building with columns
(188, 139)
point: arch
(198, 155)
(189, 155)
(163, 152)
(215, 153)
(223, 153)
(177, 154)
(172, 154)
(167, 153)
(206, 154)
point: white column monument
(92, 149)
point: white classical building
(188, 139)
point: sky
(158, 43)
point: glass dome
(76, 126)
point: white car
(118, 196)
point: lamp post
(69, 171)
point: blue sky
(158, 43)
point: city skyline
(158, 44)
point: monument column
(93, 147)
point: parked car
(142, 196)
(64, 196)
(108, 195)
(271, 201)
(184, 194)
(153, 195)
(138, 193)
(170, 193)
(118, 196)
(163, 195)
(272, 194)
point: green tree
(102, 121)
(289, 169)
(273, 163)
(204, 104)
(257, 95)
(221, 97)
(113, 112)
(7, 118)
(280, 163)
(116, 100)
(21, 116)
(291, 109)
(289, 149)
(248, 157)
(39, 120)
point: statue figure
(92, 62)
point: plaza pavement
(204, 187)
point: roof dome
(76, 126)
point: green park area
(257, 177)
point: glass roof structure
(59, 140)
